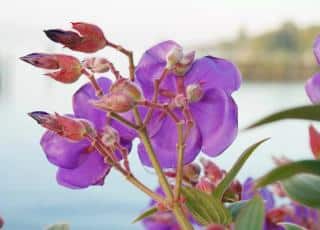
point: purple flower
(211, 81)
(312, 86)
(79, 164)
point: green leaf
(304, 188)
(235, 208)
(145, 214)
(288, 170)
(227, 180)
(308, 112)
(290, 226)
(61, 226)
(205, 208)
(251, 216)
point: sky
(141, 22)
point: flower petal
(164, 142)
(63, 152)
(316, 48)
(90, 172)
(217, 118)
(215, 73)
(82, 107)
(151, 66)
(312, 88)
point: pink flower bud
(91, 38)
(128, 88)
(115, 102)
(184, 65)
(277, 215)
(205, 185)
(191, 172)
(194, 92)
(110, 136)
(71, 128)
(96, 65)
(212, 171)
(68, 68)
(174, 56)
(314, 139)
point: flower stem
(94, 82)
(180, 150)
(176, 208)
(128, 53)
(121, 119)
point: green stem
(181, 218)
(180, 150)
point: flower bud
(277, 215)
(215, 227)
(180, 100)
(205, 185)
(68, 68)
(71, 128)
(115, 102)
(128, 88)
(194, 92)
(314, 139)
(212, 171)
(96, 65)
(184, 65)
(174, 56)
(91, 38)
(110, 136)
(191, 172)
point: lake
(30, 198)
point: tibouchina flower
(209, 83)
(313, 84)
(80, 165)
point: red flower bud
(71, 128)
(122, 96)
(68, 68)
(96, 65)
(314, 139)
(212, 171)
(277, 215)
(89, 40)
(215, 227)
(205, 185)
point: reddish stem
(94, 82)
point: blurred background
(270, 41)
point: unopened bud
(191, 172)
(91, 38)
(212, 171)
(67, 69)
(115, 102)
(71, 128)
(215, 227)
(180, 100)
(174, 56)
(128, 88)
(110, 136)
(277, 215)
(194, 92)
(205, 185)
(96, 65)
(182, 67)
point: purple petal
(82, 107)
(215, 73)
(247, 189)
(165, 142)
(312, 88)
(151, 66)
(316, 48)
(217, 118)
(63, 152)
(90, 172)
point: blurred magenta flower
(313, 84)
(80, 164)
(89, 38)
(1, 222)
(66, 69)
(211, 81)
